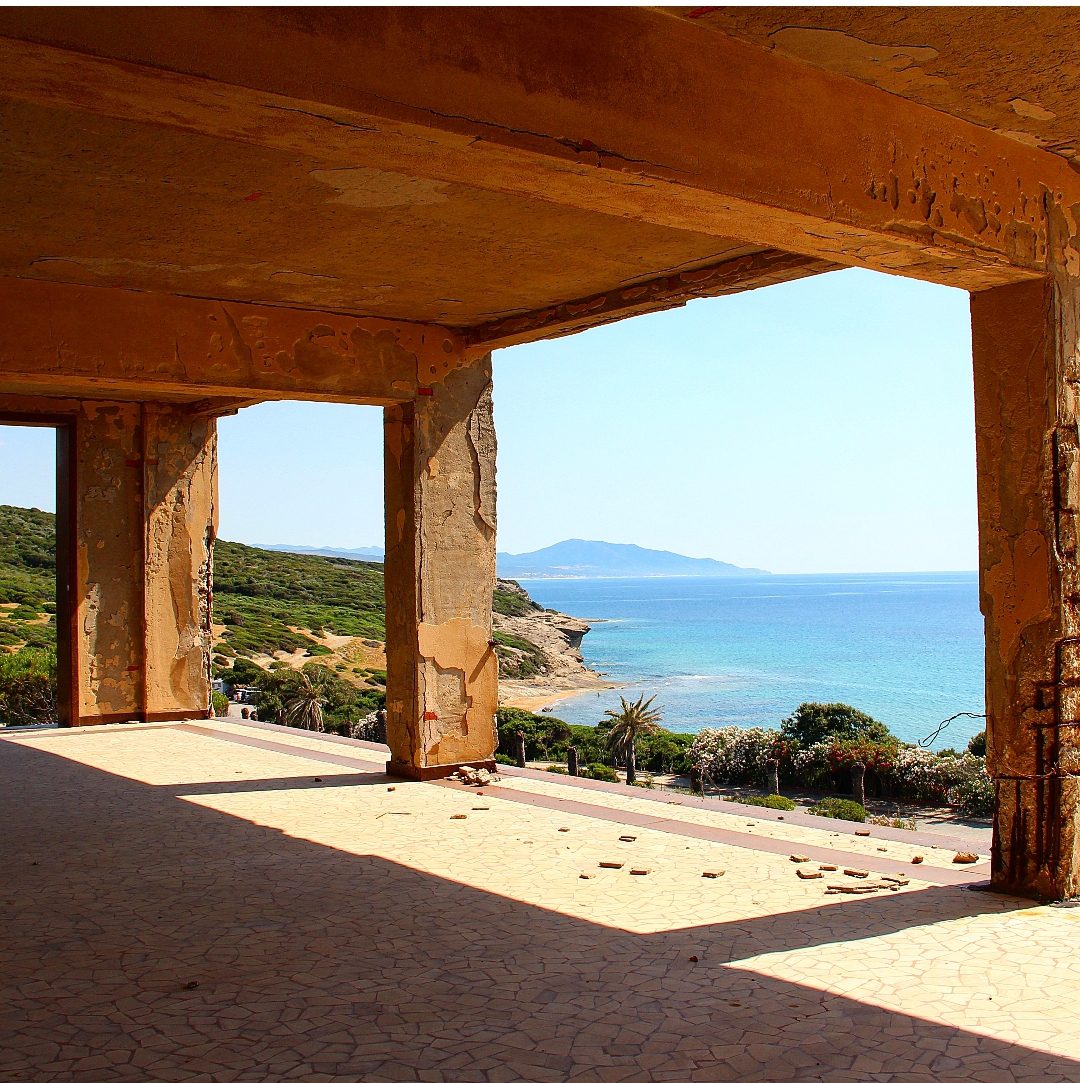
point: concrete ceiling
(143, 151)
(1014, 70)
(98, 201)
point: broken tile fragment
(640, 872)
(459, 816)
(827, 868)
(713, 874)
(628, 838)
(965, 858)
(798, 858)
(917, 859)
(611, 864)
(809, 874)
(861, 873)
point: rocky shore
(557, 637)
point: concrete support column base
(400, 769)
(1036, 831)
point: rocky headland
(554, 666)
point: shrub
(974, 796)
(220, 702)
(665, 751)
(28, 687)
(590, 743)
(893, 821)
(555, 769)
(840, 809)
(919, 775)
(773, 800)
(506, 761)
(977, 744)
(546, 737)
(810, 766)
(731, 754)
(814, 722)
(601, 772)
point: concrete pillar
(1027, 375)
(772, 776)
(572, 761)
(858, 783)
(442, 673)
(143, 484)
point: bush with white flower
(916, 774)
(731, 754)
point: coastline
(530, 696)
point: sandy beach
(531, 696)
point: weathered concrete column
(442, 673)
(1027, 375)
(143, 505)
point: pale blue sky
(823, 425)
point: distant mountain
(573, 558)
(367, 552)
(598, 560)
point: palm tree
(303, 706)
(634, 720)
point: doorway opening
(758, 502)
(36, 566)
(299, 602)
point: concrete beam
(442, 673)
(652, 295)
(87, 342)
(626, 112)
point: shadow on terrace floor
(145, 938)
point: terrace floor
(226, 902)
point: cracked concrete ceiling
(110, 203)
(322, 167)
(1014, 70)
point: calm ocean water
(906, 648)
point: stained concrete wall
(107, 584)
(145, 482)
(1027, 374)
(442, 673)
(180, 523)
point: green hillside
(27, 575)
(266, 601)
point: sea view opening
(299, 605)
(35, 572)
(821, 474)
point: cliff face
(539, 650)
(291, 608)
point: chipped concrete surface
(78, 340)
(442, 690)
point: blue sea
(905, 648)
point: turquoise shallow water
(906, 648)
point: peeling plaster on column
(1026, 342)
(459, 650)
(107, 585)
(180, 518)
(440, 458)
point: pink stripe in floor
(824, 854)
(724, 836)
